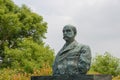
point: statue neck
(69, 42)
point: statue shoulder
(83, 46)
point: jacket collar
(69, 47)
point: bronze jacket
(74, 59)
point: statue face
(68, 33)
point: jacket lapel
(69, 47)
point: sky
(97, 22)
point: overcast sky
(97, 22)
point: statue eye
(68, 30)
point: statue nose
(65, 33)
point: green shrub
(106, 64)
(28, 56)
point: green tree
(17, 23)
(29, 56)
(21, 38)
(106, 64)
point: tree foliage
(28, 56)
(21, 38)
(106, 64)
(17, 23)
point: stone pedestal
(73, 77)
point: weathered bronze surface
(73, 58)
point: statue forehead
(67, 27)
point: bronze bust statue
(73, 58)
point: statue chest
(68, 61)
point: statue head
(69, 32)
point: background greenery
(25, 54)
(106, 64)
(21, 38)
